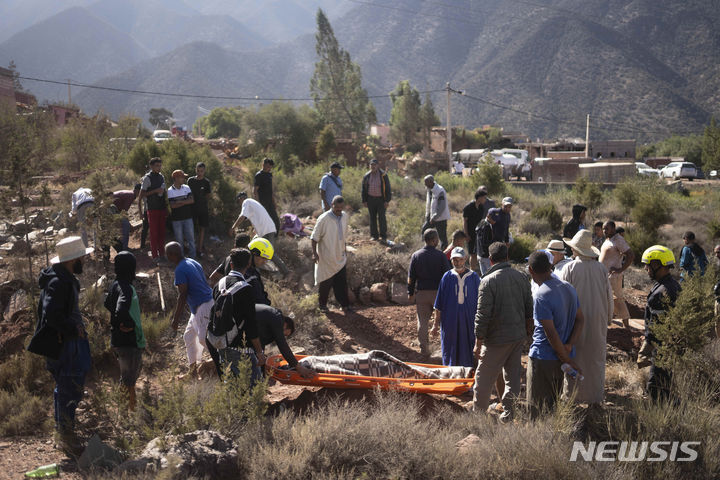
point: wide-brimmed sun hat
(582, 244)
(70, 248)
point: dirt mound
(310, 399)
(624, 339)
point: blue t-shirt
(190, 273)
(556, 300)
(332, 186)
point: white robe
(590, 279)
(330, 244)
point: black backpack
(484, 235)
(222, 329)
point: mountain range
(640, 68)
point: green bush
(523, 245)
(713, 228)
(407, 220)
(22, 413)
(535, 226)
(588, 193)
(550, 214)
(653, 210)
(639, 240)
(490, 174)
(627, 194)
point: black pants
(376, 207)
(441, 228)
(338, 282)
(270, 208)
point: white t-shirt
(258, 216)
(459, 167)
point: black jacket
(385, 186)
(270, 324)
(573, 226)
(59, 295)
(243, 310)
(662, 296)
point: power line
(190, 95)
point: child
(459, 239)
(127, 338)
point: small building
(63, 113)
(606, 149)
(381, 131)
(7, 91)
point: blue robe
(458, 307)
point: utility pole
(69, 94)
(448, 129)
(587, 137)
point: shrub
(652, 210)
(535, 226)
(639, 240)
(490, 174)
(627, 193)
(523, 245)
(588, 193)
(686, 326)
(550, 214)
(713, 228)
(22, 413)
(407, 221)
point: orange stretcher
(453, 386)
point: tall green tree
(336, 85)
(405, 114)
(160, 117)
(17, 85)
(428, 119)
(326, 142)
(711, 146)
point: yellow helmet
(263, 246)
(662, 254)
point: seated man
(273, 326)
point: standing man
(181, 202)
(427, 267)
(658, 260)
(437, 210)
(330, 186)
(376, 195)
(558, 325)
(193, 291)
(261, 222)
(473, 213)
(123, 200)
(200, 187)
(81, 200)
(60, 336)
(503, 322)
(597, 237)
(590, 279)
(263, 190)
(557, 250)
(153, 189)
(328, 253)
(692, 257)
(500, 218)
(575, 224)
(617, 256)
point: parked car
(162, 136)
(677, 170)
(700, 175)
(645, 169)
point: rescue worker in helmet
(658, 261)
(262, 251)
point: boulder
(202, 453)
(364, 296)
(17, 302)
(379, 292)
(99, 455)
(468, 443)
(398, 293)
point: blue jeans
(124, 232)
(184, 231)
(69, 373)
(233, 356)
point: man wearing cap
(181, 202)
(60, 336)
(193, 291)
(330, 186)
(474, 213)
(427, 267)
(590, 279)
(503, 321)
(437, 210)
(263, 190)
(499, 218)
(123, 200)
(153, 191)
(328, 252)
(557, 250)
(264, 226)
(455, 307)
(617, 256)
(200, 187)
(376, 195)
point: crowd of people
(483, 308)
